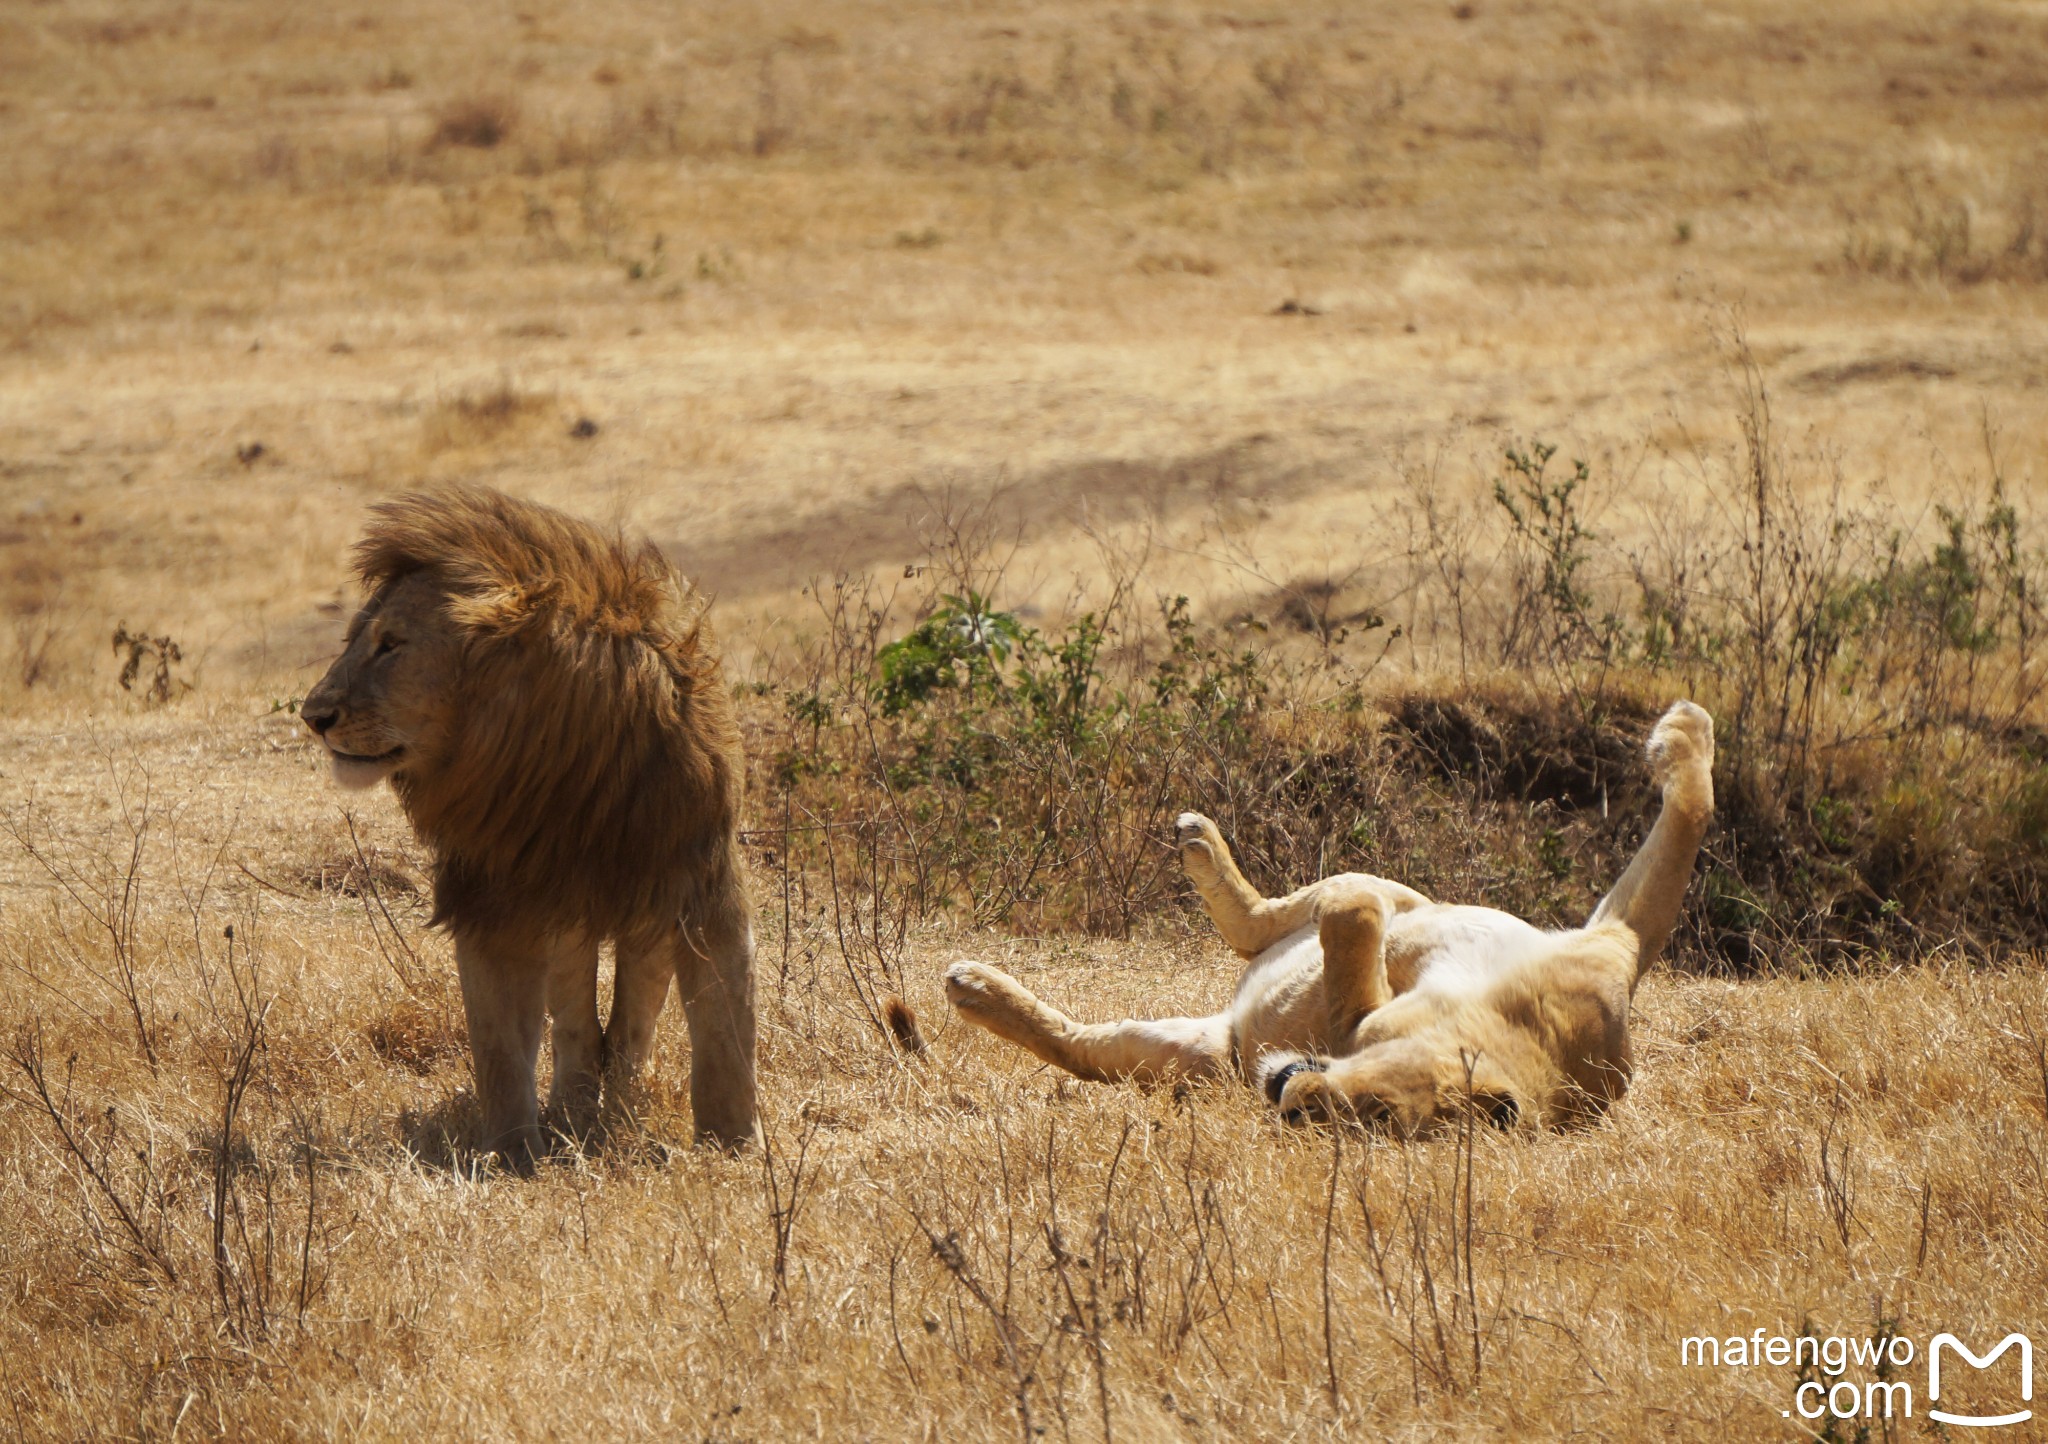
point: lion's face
(385, 703)
(1412, 1087)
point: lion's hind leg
(639, 991)
(1141, 1051)
(714, 962)
(1248, 922)
(1651, 890)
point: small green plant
(1554, 616)
(649, 267)
(1224, 685)
(964, 644)
(1831, 1432)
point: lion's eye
(385, 644)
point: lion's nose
(319, 718)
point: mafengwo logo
(1984, 1421)
(1887, 1394)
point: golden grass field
(1206, 300)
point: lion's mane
(592, 775)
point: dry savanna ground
(1075, 307)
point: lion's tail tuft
(903, 1026)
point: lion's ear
(492, 610)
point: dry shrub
(369, 873)
(33, 600)
(1878, 692)
(150, 662)
(482, 418)
(418, 1036)
(479, 122)
(1928, 227)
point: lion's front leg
(715, 974)
(1351, 924)
(1248, 922)
(504, 995)
(1141, 1050)
(578, 1042)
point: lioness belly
(1451, 950)
(1279, 1001)
(1457, 950)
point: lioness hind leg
(1649, 893)
(1142, 1051)
(1249, 922)
(715, 976)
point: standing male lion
(546, 702)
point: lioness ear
(1499, 1109)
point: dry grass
(1242, 303)
(959, 1241)
(230, 227)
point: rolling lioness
(1364, 1000)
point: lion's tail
(903, 1026)
(1651, 890)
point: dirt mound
(886, 530)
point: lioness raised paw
(1200, 845)
(1683, 737)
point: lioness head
(384, 704)
(1409, 1087)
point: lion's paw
(978, 990)
(992, 999)
(1683, 736)
(1307, 1097)
(1681, 753)
(1275, 1068)
(1200, 844)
